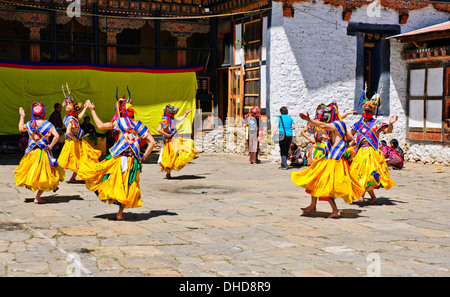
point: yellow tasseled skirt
(177, 153)
(367, 161)
(111, 183)
(329, 178)
(75, 151)
(35, 173)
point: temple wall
(313, 60)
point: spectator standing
(254, 134)
(285, 125)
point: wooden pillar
(181, 54)
(111, 51)
(35, 48)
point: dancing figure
(38, 170)
(328, 177)
(75, 149)
(116, 179)
(368, 164)
(176, 151)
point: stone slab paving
(221, 216)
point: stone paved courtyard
(221, 216)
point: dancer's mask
(329, 113)
(370, 106)
(170, 110)
(319, 109)
(72, 107)
(38, 110)
(125, 106)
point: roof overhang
(437, 31)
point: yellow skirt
(370, 169)
(75, 151)
(177, 153)
(112, 185)
(329, 178)
(35, 173)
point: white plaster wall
(313, 60)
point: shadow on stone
(55, 199)
(380, 201)
(135, 217)
(186, 176)
(345, 214)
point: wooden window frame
(445, 97)
(254, 64)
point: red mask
(367, 114)
(72, 113)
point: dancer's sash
(130, 138)
(337, 150)
(80, 132)
(40, 132)
(366, 130)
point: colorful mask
(370, 106)
(170, 111)
(319, 109)
(37, 112)
(329, 113)
(72, 107)
(124, 107)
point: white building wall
(313, 60)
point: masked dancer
(317, 136)
(116, 179)
(75, 149)
(177, 151)
(328, 177)
(38, 170)
(368, 164)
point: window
(428, 108)
(252, 37)
(447, 105)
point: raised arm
(22, 120)
(348, 113)
(390, 127)
(180, 119)
(98, 122)
(304, 134)
(81, 114)
(318, 124)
